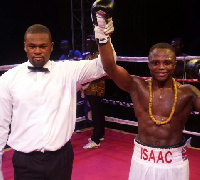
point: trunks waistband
(182, 143)
(157, 155)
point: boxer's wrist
(102, 20)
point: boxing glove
(102, 12)
(102, 5)
(192, 68)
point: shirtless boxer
(162, 107)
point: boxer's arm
(196, 99)
(102, 11)
(197, 104)
(118, 74)
(193, 70)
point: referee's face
(38, 48)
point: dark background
(138, 25)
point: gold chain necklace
(158, 122)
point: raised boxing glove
(102, 5)
(102, 12)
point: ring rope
(145, 59)
(177, 79)
(131, 123)
(125, 104)
(119, 58)
(134, 123)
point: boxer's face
(38, 48)
(162, 63)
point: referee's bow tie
(38, 69)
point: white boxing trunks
(152, 163)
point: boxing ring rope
(177, 79)
(128, 122)
(119, 58)
(125, 104)
(145, 59)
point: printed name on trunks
(161, 157)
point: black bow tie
(38, 69)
